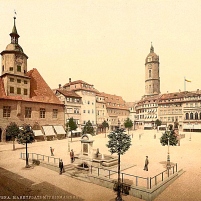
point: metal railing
(40, 157)
(147, 182)
(125, 178)
(163, 175)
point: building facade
(24, 95)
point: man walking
(72, 156)
(52, 150)
(146, 164)
(61, 166)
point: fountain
(90, 156)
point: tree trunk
(118, 198)
(14, 144)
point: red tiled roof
(78, 88)
(39, 90)
(76, 82)
(115, 102)
(68, 93)
(177, 95)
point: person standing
(72, 156)
(52, 151)
(61, 166)
(146, 164)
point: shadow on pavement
(14, 186)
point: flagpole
(184, 83)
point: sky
(105, 42)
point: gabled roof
(39, 90)
(68, 93)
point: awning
(59, 130)
(38, 133)
(48, 130)
(192, 126)
(147, 125)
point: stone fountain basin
(107, 160)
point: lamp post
(168, 154)
(119, 198)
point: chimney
(59, 86)
(69, 80)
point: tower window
(6, 111)
(18, 90)
(54, 113)
(2, 68)
(149, 73)
(18, 68)
(42, 113)
(25, 91)
(149, 59)
(11, 90)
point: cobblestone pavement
(48, 182)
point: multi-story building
(24, 96)
(185, 107)
(101, 113)
(117, 110)
(72, 102)
(87, 92)
(132, 112)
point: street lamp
(119, 198)
(168, 154)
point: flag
(187, 80)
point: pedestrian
(72, 156)
(154, 136)
(97, 152)
(52, 151)
(146, 164)
(61, 166)
(139, 136)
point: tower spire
(152, 48)
(14, 35)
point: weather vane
(15, 14)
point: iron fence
(40, 157)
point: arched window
(191, 115)
(187, 116)
(149, 73)
(196, 115)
